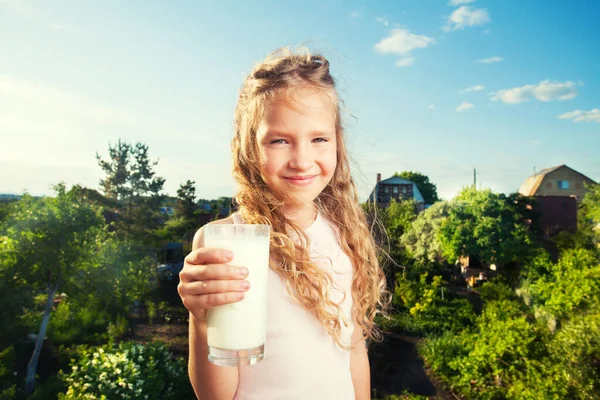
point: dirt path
(396, 367)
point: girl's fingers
(210, 272)
(204, 302)
(205, 255)
(215, 286)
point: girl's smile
(301, 180)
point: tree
(186, 195)
(589, 215)
(428, 190)
(135, 190)
(591, 204)
(48, 244)
(422, 239)
(117, 171)
(485, 225)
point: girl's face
(297, 144)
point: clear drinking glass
(236, 332)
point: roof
(531, 185)
(395, 180)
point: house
(398, 189)
(557, 181)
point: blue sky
(441, 87)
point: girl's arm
(210, 382)
(359, 365)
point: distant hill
(8, 197)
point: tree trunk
(39, 342)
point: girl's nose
(301, 159)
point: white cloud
(464, 106)
(487, 31)
(405, 61)
(431, 107)
(354, 14)
(582, 116)
(466, 16)
(382, 21)
(402, 42)
(490, 60)
(476, 88)
(456, 3)
(543, 91)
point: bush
(74, 323)
(8, 381)
(129, 371)
(421, 308)
(546, 348)
(117, 329)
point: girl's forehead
(301, 100)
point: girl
(325, 283)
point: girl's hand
(205, 282)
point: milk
(241, 325)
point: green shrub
(117, 329)
(74, 323)
(8, 381)
(546, 347)
(129, 371)
(496, 290)
(422, 309)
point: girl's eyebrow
(316, 133)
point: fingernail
(243, 271)
(245, 285)
(228, 255)
(240, 295)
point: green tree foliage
(134, 191)
(8, 381)
(425, 306)
(572, 284)
(47, 245)
(547, 346)
(426, 187)
(5, 209)
(485, 225)
(422, 239)
(388, 225)
(185, 221)
(591, 204)
(186, 196)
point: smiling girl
(325, 284)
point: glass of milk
(236, 332)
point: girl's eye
(278, 141)
(321, 140)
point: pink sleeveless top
(302, 361)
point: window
(386, 189)
(404, 189)
(395, 189)
(563, 184)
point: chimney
(378, 178)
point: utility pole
(475, 178)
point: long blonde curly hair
(338, 202)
